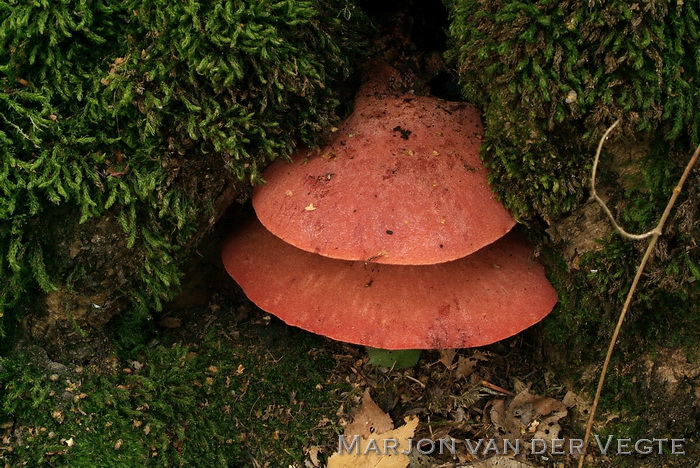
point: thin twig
(594, 194)
(496, 388)
(655, 233)
(415, 380)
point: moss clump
(215, 404)
(551, 75)
(133, 116)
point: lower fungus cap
(474, 301)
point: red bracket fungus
(390, 237)
(477, 300)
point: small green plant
(402, 359)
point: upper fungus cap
(477, 300)
(401, 182)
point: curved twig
(594, 194)
(655, 233)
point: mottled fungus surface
(390, 236)
(401, 183)
(482, 298)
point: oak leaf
(371, 440)
(380, 451)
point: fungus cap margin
(474, 301)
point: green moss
(216, 404)
(665, 307)
(140, 110)
(665, 310)
(551, 75)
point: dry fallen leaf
(169, 322)
(447, 356)
(465, 365)
(369, 419)
(395, 440)
(372, 440)
(530, 414)
(313, 456)
(501, 462)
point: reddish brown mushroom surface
(400, 183)
(485, 297)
